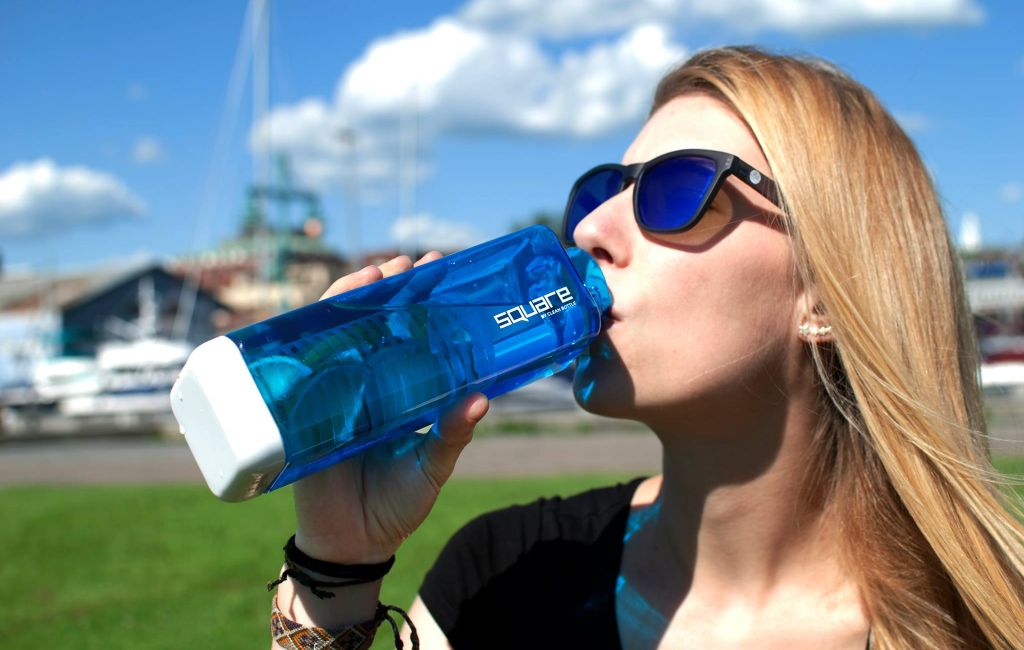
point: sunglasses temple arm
(769, 190)
(764, 186)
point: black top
(541, 575)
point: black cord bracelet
(350, 574)
(367, 572)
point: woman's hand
(360, 511)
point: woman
(797, 337)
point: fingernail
(478, 409)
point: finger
(454, 431)
(429, 257)
(396, 265)
(348, 282)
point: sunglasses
(672, 193)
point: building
(72, 315)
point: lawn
(172, 567)
(155, 567)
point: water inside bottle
(388, 358)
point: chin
(602, 393)
(606, 409)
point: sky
(131, 130)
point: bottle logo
(542, 306)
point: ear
(813, 324)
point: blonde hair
(901, 460)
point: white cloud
(147, 150)
(570, 18)
(484, 70)
(453, 78)
(323, 150)
(39, 197)
(1011, 193)
(423, 231)
(137, 92)
(310, 134)
(464, 79)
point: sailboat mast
(261, 85)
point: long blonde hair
(901, 460)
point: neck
(735, 515)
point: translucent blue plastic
(387, 359)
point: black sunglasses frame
(726, 164)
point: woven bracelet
(294, 636)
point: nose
(606, 232)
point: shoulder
(580, 517)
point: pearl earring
(814, 330)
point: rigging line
(214, 180)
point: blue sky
(113, 110)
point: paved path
(127, 460)
(102, 461)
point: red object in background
(1004, 356)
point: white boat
(132, 377)
(57, 378)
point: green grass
(1013, 465)
(155, 567)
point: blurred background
(172, 171)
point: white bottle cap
(229, 428)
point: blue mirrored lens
(672, 191)
(595, 189)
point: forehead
(695, 121)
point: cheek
(709, 328)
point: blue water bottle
(270, 403)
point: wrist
(350, 606)
(327, 549)
(324, 592)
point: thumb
(451, 435)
